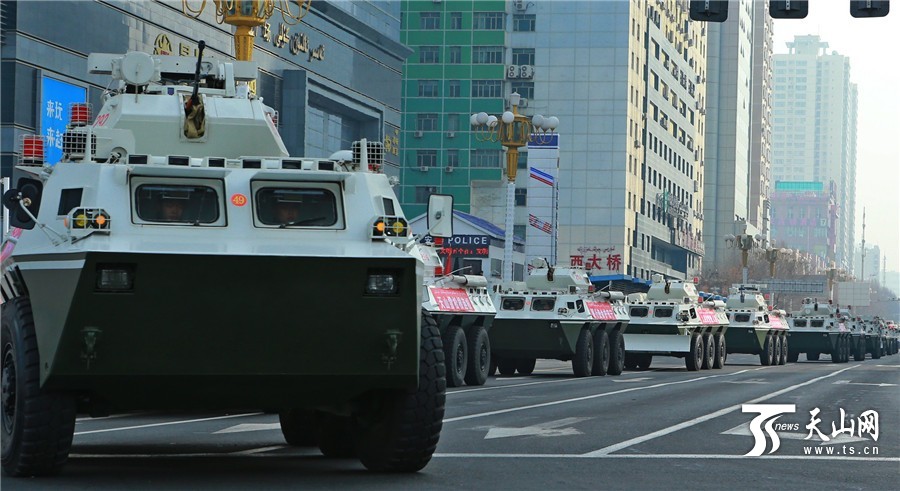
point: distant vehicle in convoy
(672, 320)
(462, 307)
(857, 333)
(556, 314)
(753, 328)
(890, 338)
(819, 328)
(177, 258)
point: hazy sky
(871, 45)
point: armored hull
(754, 329)
(818, 329)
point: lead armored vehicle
(177, 258)
(753, 328)
(462, 307)
(819, 328)
(555, 314)
(672, 320)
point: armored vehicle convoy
(555, 314)
(462, 307)
(819, 328)
(874, 328)
(753, 328)
(858, 335)
(672, 320)
(177, 258)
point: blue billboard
(56, 96)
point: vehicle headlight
(115, 277)
(382, 283)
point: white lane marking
(249, 427)
(636, 379)
(695, 457)
(495, 387)
(750, 381)
(847, 382)
(111, 416)
(744, 430)
(167, 423)
(550, 428)
(75, 264)
(586, 398)
(253, 451)
(686, 424)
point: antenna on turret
(195, 98)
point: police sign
(463, 245)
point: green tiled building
(457, 69)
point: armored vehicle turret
(819, 328)
(556, 314)
(672, 320)
(753, 328)
(177, 258)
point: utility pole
(862, 269)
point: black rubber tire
(859, 353)
(583, 361)
(335, 436)
(709, 352)
(793, 356)
(525, 366)
(767, 354)
(876, 353)
(812, 356)
(479, 356)
(600, 367)
(404, 429)
(616, 352)
(644, 361)
(38, 425)
(720, 351)
(631, 361)
(455, 355)
(506, 366)
(694, 359)
(784, 351)
(837, 351)
(776, 353)
(297, 426)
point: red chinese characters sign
(601, 311)
(452, 300)
(708, 316)
(597, 259)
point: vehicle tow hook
(391, 341)
(89, 338)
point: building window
(423, 192)
(523, 22)
(456, 20)
(453, 88)
(452, 122)
(426, 158)
(523, 56)
(488, 21)
(455, 54)
(522, 163)
(428, 88)
(426, 122)
(452, 158)
(485, 88)
(487, 55)
(484, 158)
(519, 231)
(521, 197)
(429, 54)
(525, 89)
(430, 20)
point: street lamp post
(513, 131)
(745, 242)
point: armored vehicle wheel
(644, 361)
(38, 425)
(297, 427)
(401, 430)
(694, 359)
(784, 351)
(631, 361)
(720, 354)
(525, 366)
(709, 352)
(776, 354)
(335, 436)
(837, 352)
(812, 356)
(793, 356)
(768, 351)
(860, 352)
(584, 354)
(455, 355)
(506, 366)
(616, 352)
(479, 356)
(600, 364)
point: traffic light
(709, 11)
(787, 9)
(869, 8)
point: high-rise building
(804, 216)
(626, 81)
(814, 128)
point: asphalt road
(664, 428)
